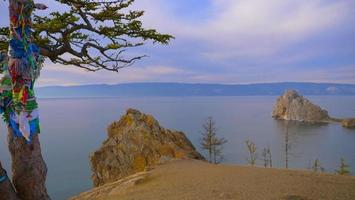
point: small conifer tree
(251, 147)
(344, 168)
(211, 142)
(316, 167)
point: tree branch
(93, 35)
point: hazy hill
(186, 89)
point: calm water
(73, 128)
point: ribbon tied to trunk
(20, 67)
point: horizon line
(195, 83)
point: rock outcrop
(137, 142)
(292, 106)
(348, 123)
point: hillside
(185, 89)
(198, 180)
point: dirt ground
(197, 180)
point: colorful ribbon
(3, 178)
(21, 68)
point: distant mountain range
(193, 89)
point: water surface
(73, 128)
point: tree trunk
(286, 146)
(7, 192)
(28, 168)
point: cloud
(343, 74)
(55, 74)
(250, 28)
(235, 41)
(59, 75)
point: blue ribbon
(3, 178)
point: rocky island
(294, 107)
(142, 160)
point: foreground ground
(197, 180)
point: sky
(232, 42)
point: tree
(92, 35)
(267, 157)
(211, 142)
(344, 168)
(251, 147)
(218, 149)
(287, 145)
(316, 167)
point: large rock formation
(292, 106)
(134, 143)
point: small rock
(348, 123)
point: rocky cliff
(135, 143)
(292, 106)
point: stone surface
(348, 123)
(292, 106)
(137, 142)
(28, 168)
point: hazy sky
(234, 41)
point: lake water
(73, 128)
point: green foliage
(4, 33)
(344, 168)
(93, 35)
